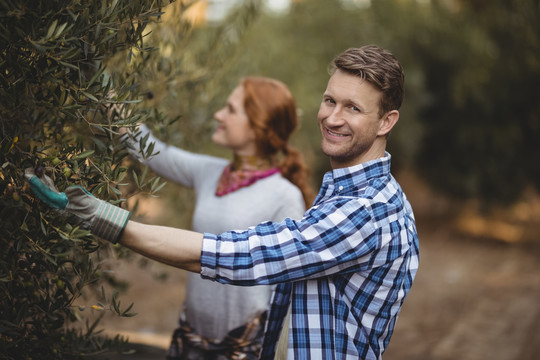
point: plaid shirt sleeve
(337, 236)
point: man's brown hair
(378, 67)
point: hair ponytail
(294, 169)
(271, 110)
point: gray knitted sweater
(211, 308)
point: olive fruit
(39, 170)
(16, 196)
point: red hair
(271, 110)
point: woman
(266, 180)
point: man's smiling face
(349, 120)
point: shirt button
(340, 188)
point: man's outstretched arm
(176, 247)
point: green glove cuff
(109, 222)
(103, 219)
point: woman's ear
(387, 122)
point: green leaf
(71, 66)
(90, 96)
(84, 155)
(43, 229)
(143, 176)
(59, 30)
(39, 47)
(121, 175)
(96, 76)
(50, 32)
(135, 178)
(154, 184)
(159, 187)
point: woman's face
(233, 129)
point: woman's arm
(175, 164)
(175, 247)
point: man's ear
(387, 122)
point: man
(344, 269)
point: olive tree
(59, 115)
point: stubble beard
(344, 154)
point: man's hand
(103, 219)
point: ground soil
(476, 294)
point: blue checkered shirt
(345, 268)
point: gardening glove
(102, 219)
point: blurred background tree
(471, 111)
(483, 116)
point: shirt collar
(356, 177)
